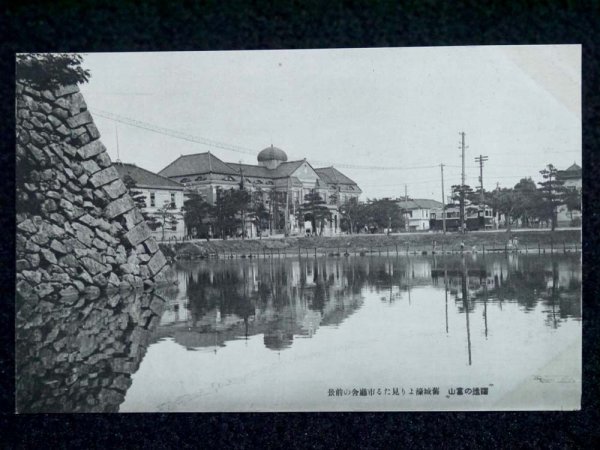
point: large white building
(275, 180)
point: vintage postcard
(383, 229)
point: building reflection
(281, 299)
(287, 299)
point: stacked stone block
(78, 230)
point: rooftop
(419, 203)
(144, 178)
(196, 164)
(333, 176)
(571, 173)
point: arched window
(200, 178)
(184, 180)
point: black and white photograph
(358, 229)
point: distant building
(571, 177)
(417, 213)
(158, 192)
(274, 180)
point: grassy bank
(365, 243)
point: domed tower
(271, 157)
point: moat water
(346, 333)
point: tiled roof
(572, 173)
(419, 203)
(573, 168)
(145, 178)
(205, 163)
(198, 163)
(333, 176)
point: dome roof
(272, 153)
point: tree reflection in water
(285, 299)
(79, 354)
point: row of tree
(234, 209)
(526, 202)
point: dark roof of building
(419, 203)
(271, 153)
(145, 178)
(571, 173)
(196, 164)
(333, 176)
(204, 163)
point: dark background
(86, 26)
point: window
(152, 199)
(258, 182)
(200, 178)
(270, 182)
(173, 200)
(184, 180)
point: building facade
(417, 213)
(571, 178)
(163, 198)
(280, 185)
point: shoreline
(527, 241)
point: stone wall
(78, 229)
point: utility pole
(287, 208)
(243, 207)
(481, 159)
(117, 136)
(443, 201)
(405, 193)
(462, 186)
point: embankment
(529, 241)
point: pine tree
(314, 208)
(552, 193)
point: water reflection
(281, 300)
(80, 354)
(285, 299)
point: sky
(386, 117)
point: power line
(234, 148)
(172, 133)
